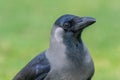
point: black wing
(36, 69)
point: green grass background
(25, 31)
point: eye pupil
(66, 24)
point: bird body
(68, 64)
(67, 58)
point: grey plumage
(67, 58)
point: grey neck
(75, 51)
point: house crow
(67, 58)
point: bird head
(71, 26)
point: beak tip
(94, 20)
(91, 20)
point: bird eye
(66, 24)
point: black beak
(84, 22)
(88, 21)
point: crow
(67, 58)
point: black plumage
(37, 69)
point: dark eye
(66, 25)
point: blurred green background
(25, 31)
